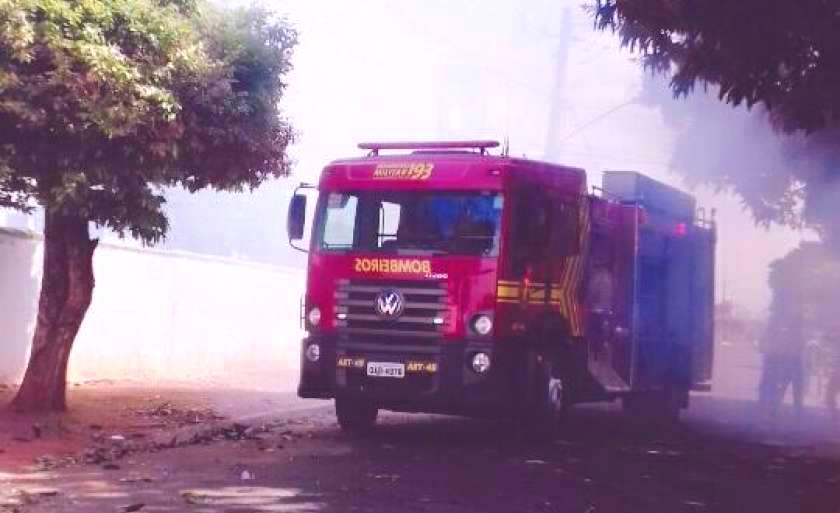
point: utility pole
(558, 121)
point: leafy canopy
(781, 57)
(782, 54)
(808, 278)
(104, 103)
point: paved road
(718, 461)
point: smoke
(790, 179)
(782, 179)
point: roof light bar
(482, 146)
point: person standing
(783, 344)
(832, 387)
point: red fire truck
(445, 279)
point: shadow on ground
(717, 461)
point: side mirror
(297, 217)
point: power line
(594, 120)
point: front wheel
(546, 403)
(355, 416)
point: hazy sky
(374, 69)
(528, 70)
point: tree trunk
(66, 292)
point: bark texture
(66, 292)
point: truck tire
(355, 416)
(544, 404)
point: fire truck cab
(445, 279)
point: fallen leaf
(24, 497)
(131, 480)
(31, 496)
(44, 492)
(387, 477)
(193, 498)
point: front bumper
(438, 378)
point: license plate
(386, 370)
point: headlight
(314, 316)
(482, 324)
(313, 352)
(480, 363)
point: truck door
(675, 303)
(609, 286)
(529, 239)
(653, 356)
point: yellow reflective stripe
(536, 295)
(577, 321)
(508, 291)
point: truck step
(606, 376)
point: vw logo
(389, 304)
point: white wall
(162, 316)
(20, 255)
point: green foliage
(782, 54)
(778, 57)
(104, 103)
(808, 278)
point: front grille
(422, 318)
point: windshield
(411, 222)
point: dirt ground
(103, 412)
(262, 452)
